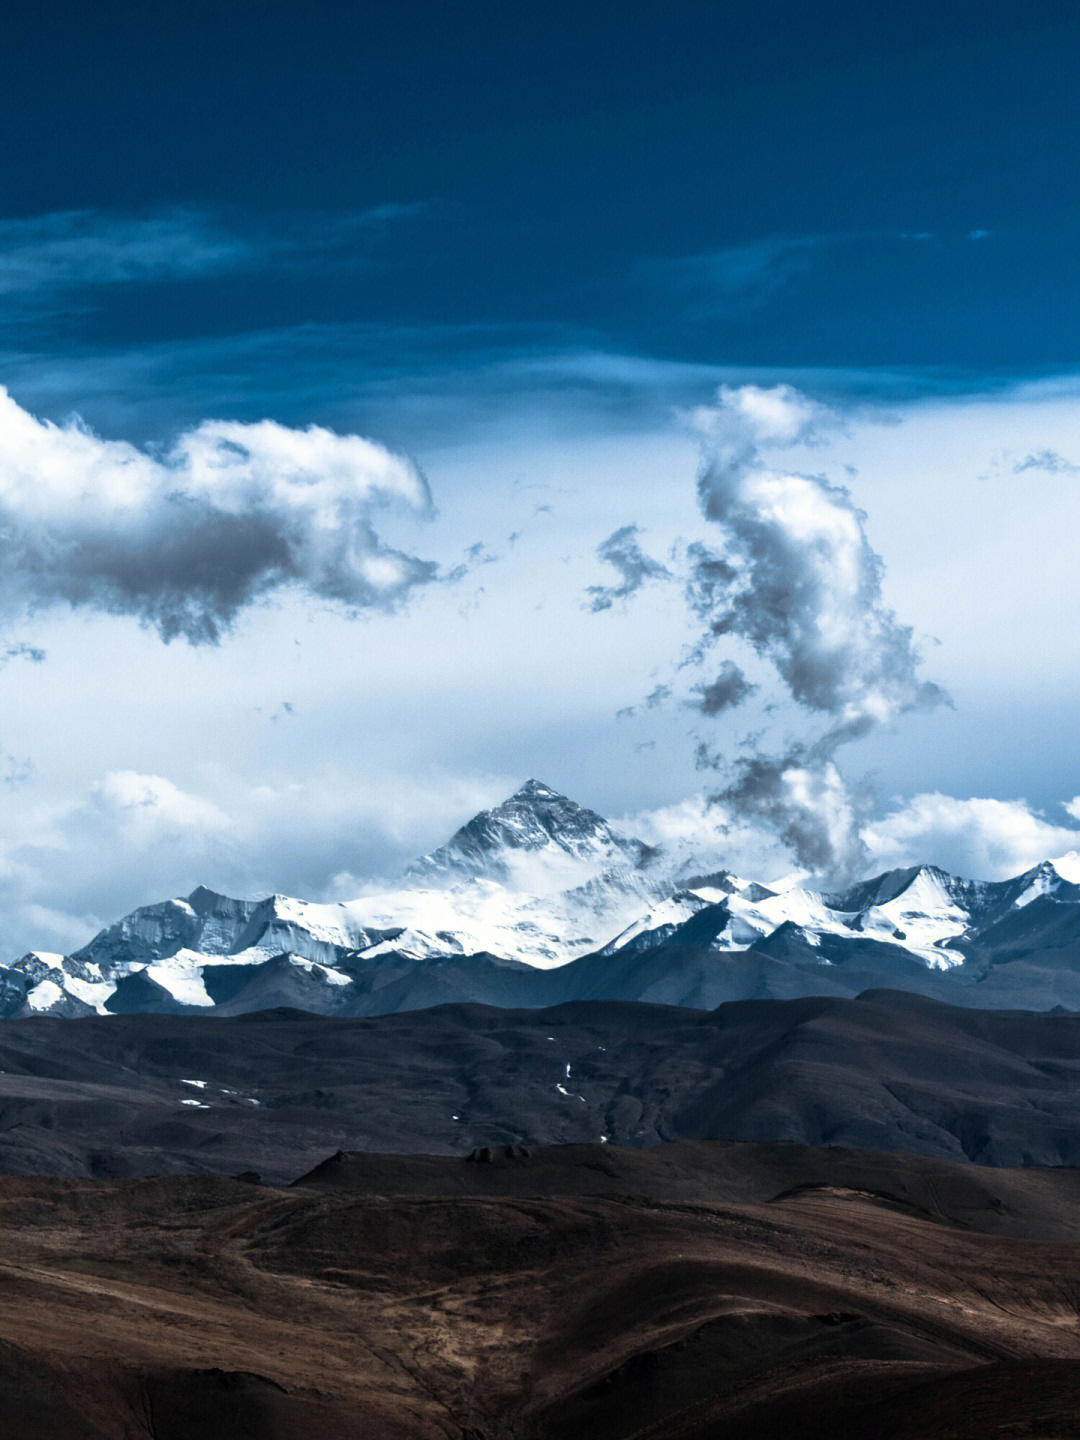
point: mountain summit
(534, 820)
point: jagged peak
(535, 818)
(536, 790)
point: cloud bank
(986, 838)
(186, 540)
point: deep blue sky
(768, 183)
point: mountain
(535, 824)
(539, 900)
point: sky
(679, 404)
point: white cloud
(983, 838)
(186, 541)
(150, 803)
(703, 836)
(980, 838)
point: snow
(1068, 867)
(928, 917)
(674, 910)
(183, 981)
(196, 1104)
(90, 992)
(198, 1084)
(323, 972)
(44, 995)
(1041, 885)
(481, 915)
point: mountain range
(540, 901)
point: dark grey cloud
(796, 578)
(728, 690)
(802, 797)
(184, 542)
(622, 550)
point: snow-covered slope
(540, 882)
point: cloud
(22, 651)
(154, 806)
(979, 838)
(729, 689)
(700, 835)
(74, 864)
(1048, 460)
(804, 800)
(740, 275)
(655, 698)
(984, 838)
(16, 771)
(187, 540)
(78, 249)
(622, 550)
(797, 580)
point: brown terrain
(685, 1291)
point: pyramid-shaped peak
(535, 792)
(534, 818)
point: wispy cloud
(743, 274)
(1047, 460)
(622, 550)
(81, 249)
(22, 651)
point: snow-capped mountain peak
(536, 822)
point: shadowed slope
(277, 1091)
